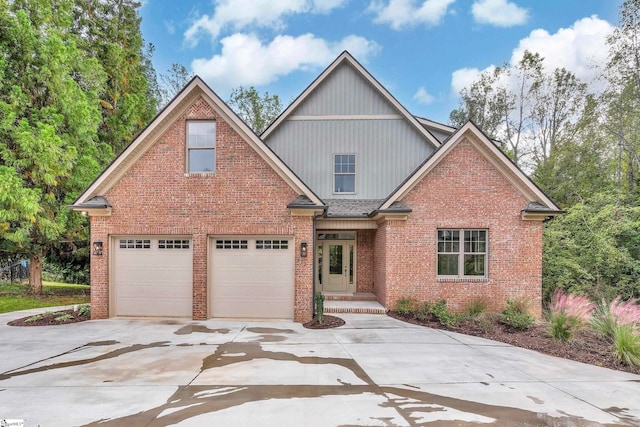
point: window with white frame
(344, 173)
(462, 253)
(201, 146)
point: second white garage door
(252, 277)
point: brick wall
(463, 191)
(364, 260)
(244, 196)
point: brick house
(346, 192)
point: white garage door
(153, 276)
(252, 277)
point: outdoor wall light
(303, 249)
(97, 248)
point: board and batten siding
(345, 92)
(387, 151)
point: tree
(257, 111)
(485, 103)
(173, 81)
(49, 117)
(594, 248)
(110, 32)
(528, 110)
(622, 100)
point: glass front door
(336, 265)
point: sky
(422, 51)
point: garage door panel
(141, 306)
(274, 278)
(151, 280)
(251, 281)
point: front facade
(346, 192)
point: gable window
(344, 173)
(462, 253)
(201, 146)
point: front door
(337, 266)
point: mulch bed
(586, 347)
(49, 319)
(328, 323)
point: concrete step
(363, 307)
(341, 296)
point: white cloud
(464, 77)
(577, 48)
(500, 13)
(245, 60)
(400, 14)
(239, 14)
(423, 97)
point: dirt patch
(586, 347)
(328, 323)
(62, 317)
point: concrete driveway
(374, 371)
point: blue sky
(423, 52)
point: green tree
(257, 111)
(173, 81)
(594, 248)
(49, 116)
(110, 32)
(622, 100)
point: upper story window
(344, 173)
(466, 258)
(201, 146)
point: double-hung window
(201, 146)
(462, 253)
(344, 173)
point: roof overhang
(97, 206)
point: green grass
(14, 296)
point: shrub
(406, 306)
(34, 318)
(423, 312)
(442, 313)
(626, 344)
(625, 312)
(476, 307)
(516, 314)
(562, 327)
(64, 318)
(609, 316)
(567, 313)
(84, 310)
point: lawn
(14, 297)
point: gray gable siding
(387, 151)
(344, 92)
(345, 114)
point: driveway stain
(189, 329)
(413, 407)
(110, 355)
(271, 331)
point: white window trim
(355, 173)
(212, 147)
(461, 253)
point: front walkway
(374, 371)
